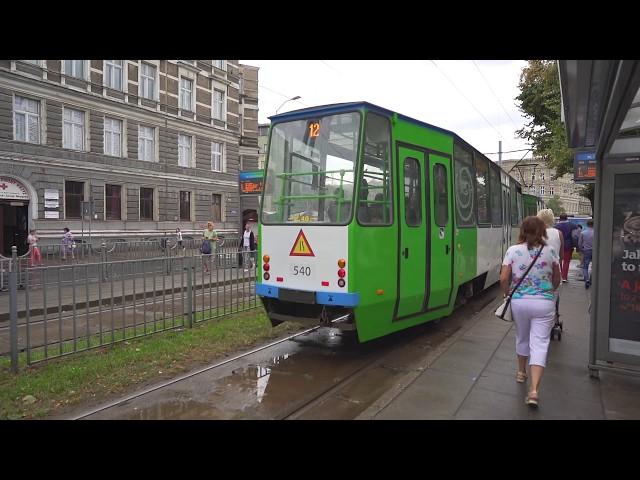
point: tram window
(482, 188)
(375, 204)
(464, 188)
(441, 198)
(412, 192)
(495, 189)
(514, 205)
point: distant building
(140, 146)
(263, 139)
(537, 179)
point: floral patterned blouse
(538, 283)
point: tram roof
(347, 106)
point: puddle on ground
(271, 384)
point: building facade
(537, 179)
(136, 148)
(263, 140)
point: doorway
(14, 225)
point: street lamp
(288, 100)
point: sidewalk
(474, 377)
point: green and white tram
(374, 221)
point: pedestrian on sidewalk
(567, 228)
(32, 241)
(208, 248)
(555, 239)
(179, 238)
(532, 304)
(576, 236)
(67, 244)
(248, 247)
(585, 245)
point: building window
(146, 143)
(541, 189)
(146, 203)
(113, 74)
(533, 174)
(184, 151)
(221, 64)
(216, 207)
(148, 81)
(550, 190)
(73, 198)
(186, 94)
(216, 157)
(73, 129)
(113, 137)
(541, 175)
(185, 206)
(74, 68)
(113, 202)
(26, 120)
(37, 63)
(218, 105)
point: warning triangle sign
(301, 247)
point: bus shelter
(601, 112)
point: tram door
(412, 259)
(441, 232)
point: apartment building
(537, 179)
(135, 148)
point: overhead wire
(465, 97)
(494, 94)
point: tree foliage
(540, 102)
(555, 204)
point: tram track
(394, 356)
(189, 375)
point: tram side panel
(377, 250)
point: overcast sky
(452, 94)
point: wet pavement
(474, 377)
(325, 374)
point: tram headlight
(342, 262)
(342, 273)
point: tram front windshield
(311, 170)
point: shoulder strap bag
(503, 312)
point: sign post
(251, 182)
(584, 166)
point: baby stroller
(556, 331)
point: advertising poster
(624, 313)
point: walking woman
(532, 303)
(32, 240)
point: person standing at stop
(248, 247)
(585, 245)
(567, 228)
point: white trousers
(534, 320)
